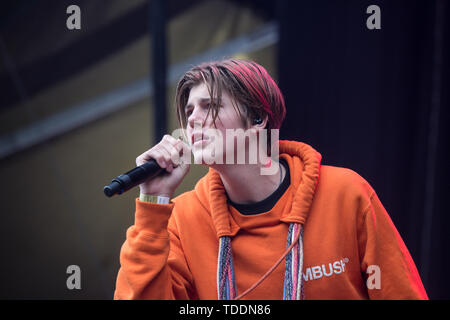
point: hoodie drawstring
(293, 278)
(226, 284)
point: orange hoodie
(351, 248)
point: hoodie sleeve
(386, 263)
(153, 265)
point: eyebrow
(201, 100)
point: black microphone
(133, 178)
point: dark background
(375, 101)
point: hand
(167, 154)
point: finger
(174, 153)
(145, 157)
(168, 138)
(142, 159)
(165, 154)
(184, 151)
(160, 156)
(180, 145)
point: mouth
(200, 143)
(198, 137)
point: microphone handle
(132, 178)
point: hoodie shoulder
(343, 176)
(345, 183)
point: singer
(304, 231)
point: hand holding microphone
(165, 156)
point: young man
(305, 231)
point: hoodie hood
(304, 166)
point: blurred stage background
(78, 106)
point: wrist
(160, 199)
(162, 193)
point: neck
(244, 183)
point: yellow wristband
(154, 199)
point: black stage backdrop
(376, 101)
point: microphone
(133, 178)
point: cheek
(230, 121)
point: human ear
(260, 122)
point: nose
(197, 117)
